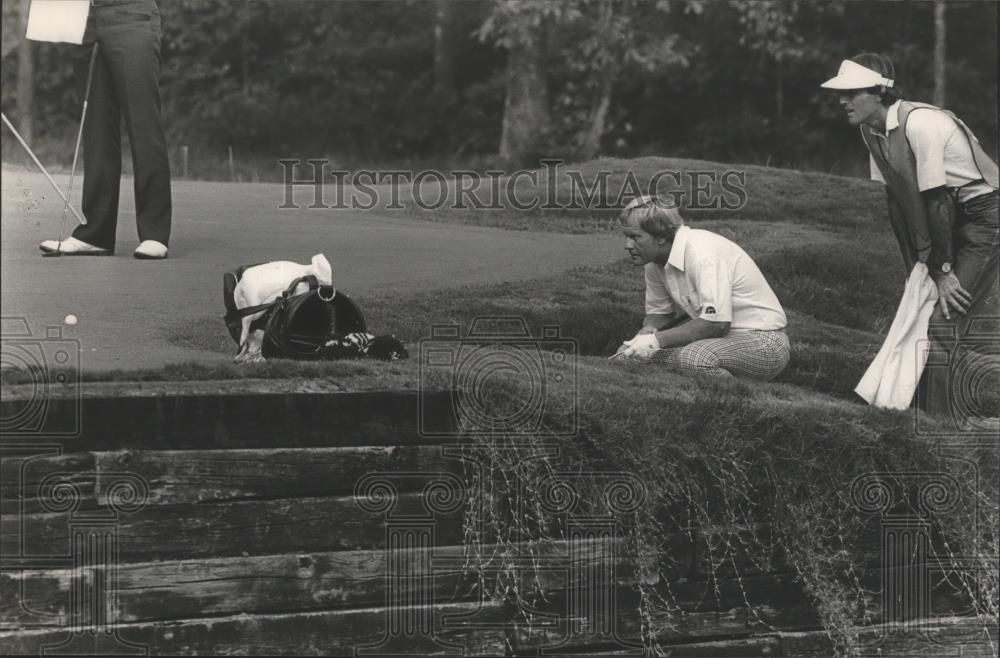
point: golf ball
(70, 319)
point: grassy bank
(822, 242)
(583, 197)
(702, 453)
(839, 293)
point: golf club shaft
(27, 148)
(79, 135)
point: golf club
(27, 148)
(76, 150)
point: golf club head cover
(360, 345)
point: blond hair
(654, 215)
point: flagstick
(79, 137)
(27, 148)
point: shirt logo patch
(709, 310)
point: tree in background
(444, 51)
(15, 21)
(630, 38)
(940, 31)
(521, 28)
(770, 30)
(367, 83)
(564, 61)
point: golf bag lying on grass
(284, 310)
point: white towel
(57, 20)
(891, 379)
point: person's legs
(131, 40)
(753, 354)
(977, 266)
(701, 356)
(102, 150)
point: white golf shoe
(71, 247)
(150, 250)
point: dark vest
(899, 169)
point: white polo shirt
(712, 278)
(941, 150)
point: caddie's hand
(641, 347)
(951, 293)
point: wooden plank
(961, 636)
(938, 637)
(736, 648)
(261, 584)
(288, 420)
(574, 633)
(21, 477)
(614, 617)
(725, 552)
(739, 608)
(190, 476)
(337, 633)
(272, 583)
(745, 647)
(293, 579)
(176, 477)
(773, 594)
(304, 581)
(228, 529)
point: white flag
(58, 20)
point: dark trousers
(125, 85)
(956, 378)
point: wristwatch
(945, 268)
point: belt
(977, 197)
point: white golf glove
(640, 347)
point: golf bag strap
(289, 291)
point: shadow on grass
(596, 307)
(839, 287)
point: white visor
(854, 76)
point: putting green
(123, 305)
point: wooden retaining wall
(302, 523)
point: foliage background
(369, 83)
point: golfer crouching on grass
(708, 307)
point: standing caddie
(942, 194)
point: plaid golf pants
(754, 354)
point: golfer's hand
(951, 293)
(620, 352)
(641, 347)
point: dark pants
(125, 84)
(953, 381)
